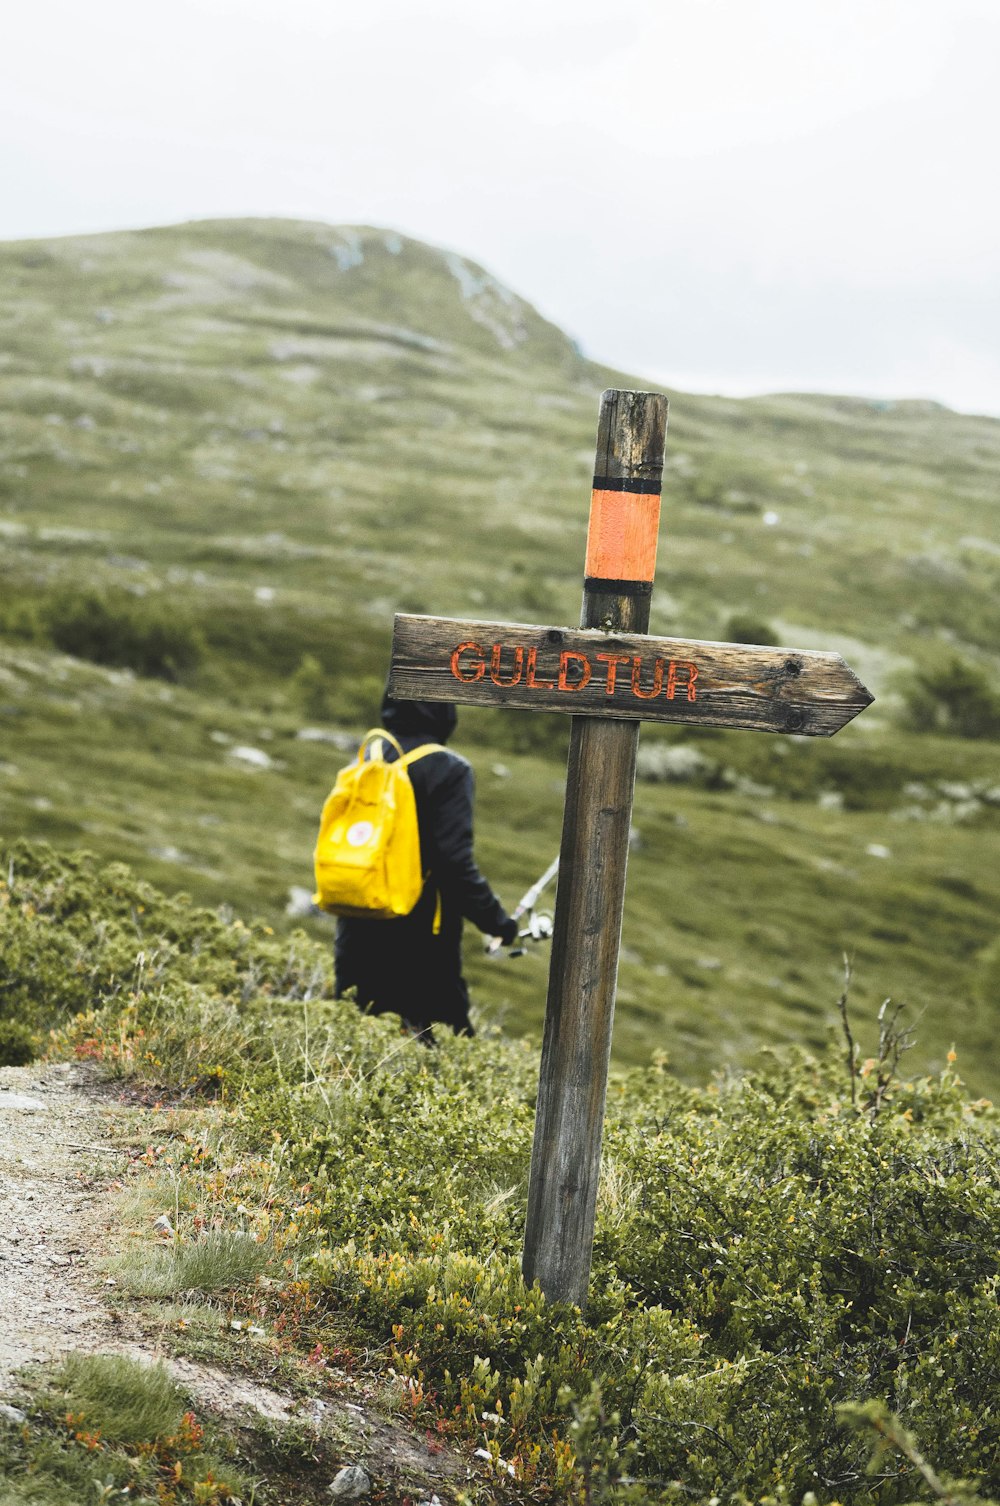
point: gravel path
(59, 1162)
(56, 1161)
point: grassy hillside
(253, 441)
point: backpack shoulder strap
(420, 752)
(373, 742)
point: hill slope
(280, 433)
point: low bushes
(146, 634)
(140, 633)
(821, 1234)
(77, 936)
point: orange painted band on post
(621, 539)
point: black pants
(400, 967)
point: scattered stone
(253, 758)
(20, 1101)
(349, 1484)
(484, 1453)
(831, 800)
(500, 771)
(300, 903)
(162, 1225)
(169, 854)
(11, 1414)
(252, 1329)
(675, 763)
(346, 742)
(877, 850)
(742, 784)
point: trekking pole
(525, 906)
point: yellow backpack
(367, 855)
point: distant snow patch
(492, 305)
(393, 244)
(348, 251)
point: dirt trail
(55, 1146)
(58, 1158)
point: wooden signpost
(609, 675)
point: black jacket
(413, 966)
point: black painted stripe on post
(618, 587)
(626, 484)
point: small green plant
(310, 688)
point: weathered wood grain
(583, 974)
(622, 675)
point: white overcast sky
(724, 195)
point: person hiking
(412, 966)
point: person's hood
(432, 720)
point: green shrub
(130, 632)
(77, 935)
(952, 696)
(987, 976)
(17, 1044)
(742, 627)
(22, 618)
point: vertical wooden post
(566, 1155)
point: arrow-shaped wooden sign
(631, 677)
(609, 675)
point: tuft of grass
(220, 1260)
(119, 1397)
(106, 1427)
